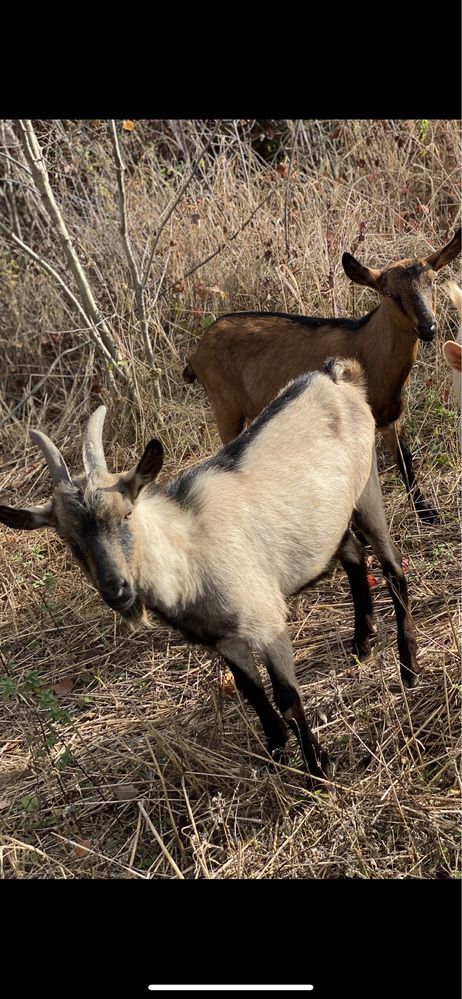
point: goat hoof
(280, 755)
(409, 678)
(277, 746)
(361, 649)
(427, 513)
(321, 773)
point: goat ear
(359, 273)
(151, 463)
(444, 256)
(28, 519)
(147, 468)
(455, 295)
(453, 355)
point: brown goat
(244, 359)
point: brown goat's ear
(359, 273)
(453, 355)
(444, 256)
(28, 519)
(147, 468)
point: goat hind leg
(230, 420)
(351, 555)
(370, 517)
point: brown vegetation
(132, 755)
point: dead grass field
(129, 755)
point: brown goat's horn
(93, 454)
(55, 461)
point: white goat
(215, 551)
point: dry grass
(145, 764)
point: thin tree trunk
(138, 287)
(39, 172)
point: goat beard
(135, 614)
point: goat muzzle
(427, 331)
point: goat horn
(93, 454)
(56, 464)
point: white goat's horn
(93, 454)
(56, 464)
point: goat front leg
(369, 516)
(238, 656)
(351, 555)
(403, 458)
(279, 660)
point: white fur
(452, 349)
(267, 528)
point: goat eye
(128, 514)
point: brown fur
(244, 359)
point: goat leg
(239, 658)
(279, 661)
(403, 458)
(351, 555)
(370, 517)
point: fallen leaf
(30, 802)
(3, 803)
(195, 219)
(372, 581)
(405, 564)
(227, 683)
(206, 289)
(63, 686)
(128, 125)
(82, 848)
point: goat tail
(345, 370)
(189, 374)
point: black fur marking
(313, 322)
(229, 456)
(203, 621)
(78, 553)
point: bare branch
(286, 202)
(220, 248)
(138, 287)
(174, 203)
(10, 195)
(87, 322)
(41, 381)
(39, 171)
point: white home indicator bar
(231, 988)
